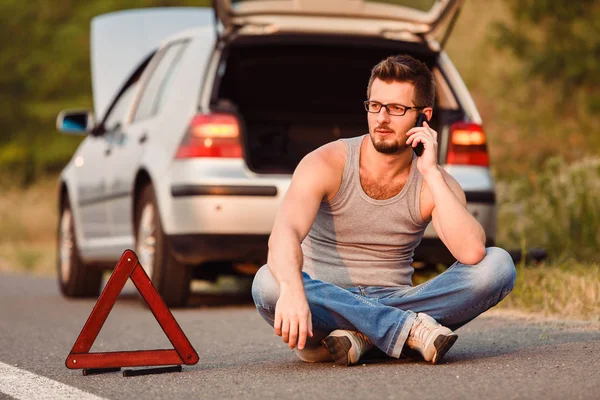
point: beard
(387, 147)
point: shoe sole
(442, 344)
(338, 347)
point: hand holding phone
(420, 148)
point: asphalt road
(496, 356)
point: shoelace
(419, 331)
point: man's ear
(428, 111)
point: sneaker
(346, 347)
(313, 355)
(430, 339)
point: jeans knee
(496, 270)
(505, 265)
(265, 289)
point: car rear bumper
(221, 214)
(224, 190)
(196, 249)
(219, 197)
(227, 213)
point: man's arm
(462, 234)
(457, 228)
(317, 176)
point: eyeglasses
(392, 109)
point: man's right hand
(316, 179)
(293, 320)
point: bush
(557, 209)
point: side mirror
(75, 122)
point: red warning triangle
(129, 267)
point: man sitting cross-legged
(338, 278)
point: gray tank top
(357, 240)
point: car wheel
(171, 278)
(75, 278)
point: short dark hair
(404, 68)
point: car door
(126, 151)
(96, 197)
(90, 185)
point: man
(338, 275)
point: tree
(559, 42)
(45, 62)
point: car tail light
(467, 145)
(211, 135)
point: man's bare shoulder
(325, 165)
(331, 156)
(334, 153)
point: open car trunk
(296, 93)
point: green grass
(37, 258)
(28, 221)
(570, 290)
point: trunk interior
(296, 93)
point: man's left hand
(427, 162)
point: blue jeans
(386, 314)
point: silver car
(195, 132)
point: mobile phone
(420, 148)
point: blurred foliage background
(533, 67)
(46, 63)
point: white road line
(22, 384)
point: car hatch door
(432, 18)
